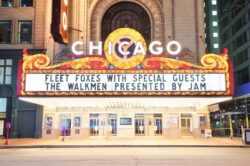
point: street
(125, 156)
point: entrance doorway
(26, 123)
(65, 126)
(126, 15)
(94, 124)
(186, 124)
(148, 124)
(158, 126)
(113, 124)
(103, 124)
(139, 124)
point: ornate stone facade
(153, 8)
(169, 20)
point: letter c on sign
(120, 48)
(73, 48)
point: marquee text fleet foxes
(126, 82)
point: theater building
(107, 96)
(118, 93)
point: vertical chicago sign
(59, 26)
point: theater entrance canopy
(125, 102)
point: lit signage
(126, 70)
(59, 26)
(128, 46)
(155, 48)
(124, 82)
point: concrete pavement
(124, 142)
(134, 156)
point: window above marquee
(26, 3)
(6, 3)
(25, 32)
(5, 32)
(5, 71)
(16, 32)
(17, 3)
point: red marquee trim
(19, 77)
(231, 76)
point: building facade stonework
(87, 116)
(169, 20)
(23, 24)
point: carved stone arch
(152, 7)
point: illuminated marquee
(125, 74)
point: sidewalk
(123, 142)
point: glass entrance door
(65, 126)
(186, 126)
(158, 126)
(139, 125)
(94, 124)
(185, 123)
(113, 123)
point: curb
(122, 146)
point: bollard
(63, 133)
(7, 133)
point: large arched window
(129, 15)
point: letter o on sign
(65, 2)
(64, 15)
(178, 49)
(64, 19)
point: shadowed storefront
(230, 117)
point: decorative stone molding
(152, 7)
